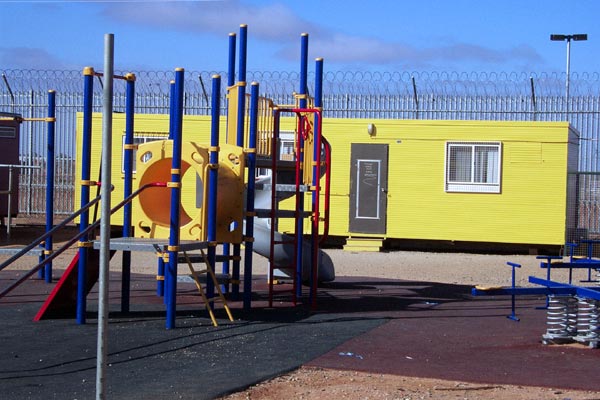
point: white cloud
(355, 50)
(350, 49)
(29, 58)
(274, 22)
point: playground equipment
(212, 194)
(573, 312)
(252, 139)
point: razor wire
(347, 94)
(281, 83)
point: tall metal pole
(213, 180)
(303, 103)
(49, 180)
(316, 181)
(231, 63)
(568, 75)
(235, 272)
(86, 150)
(568, 38)
(175, 185)
(241, 115)
(107, 108)
(127, 189)
(241, 112)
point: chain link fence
(348, 94)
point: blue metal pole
(226, 246)
(127, 188)
(243, 51)
(303, 69)
(513, 314)
(231, 64)
(162, 289)
(172, 106)
(50, 180)
(175, 184)
(86, 150)
(213, 179)
(300, 202)
(316, 173)
(319, 83)
(251, 165)
(160, 277)
(241, 114)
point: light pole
(568, 38)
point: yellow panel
(152, 216)
(530, 209)
(195, 128)
(232, 105)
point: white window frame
(492, 184)
(140, 138)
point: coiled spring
(587, 322)
(561, 324)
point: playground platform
(408, 328)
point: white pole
(107, 108)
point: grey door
(368, 188)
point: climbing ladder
(307, 167)
(256, 129)
(209, 271)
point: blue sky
(425, 35)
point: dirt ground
(315, 383)
(455, 268)
(458, 268)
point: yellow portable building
(473, 181)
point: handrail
(327, 147)
(78, 236)
(49, 233)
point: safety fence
(453, 96)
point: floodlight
(561, 38)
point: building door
(368, 188)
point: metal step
(282, 187)
(197, 258)
(36, 252)
(266, 213)
(150, 244)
